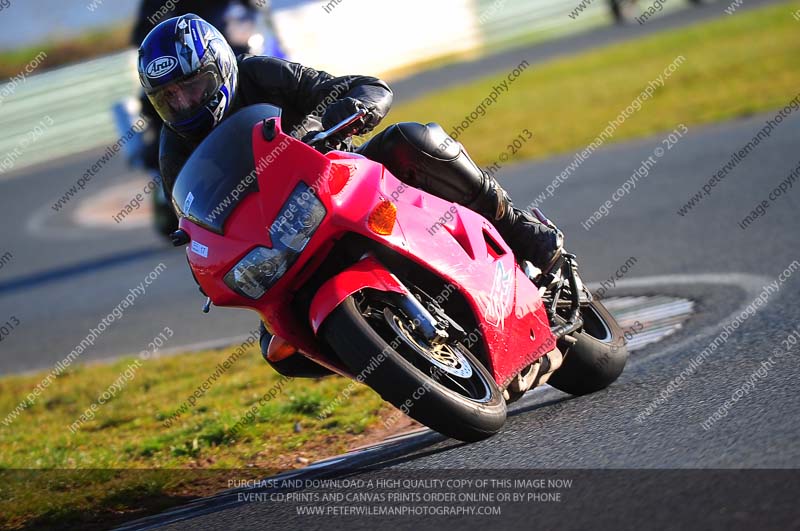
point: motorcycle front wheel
(442, 386)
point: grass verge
(735, 66)
(122, 462)
(88, 46)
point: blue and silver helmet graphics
(178, 49)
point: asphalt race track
(63, 279)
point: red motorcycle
(419, 298)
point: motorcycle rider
(151, 12)
(194, 80)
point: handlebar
(338, 128)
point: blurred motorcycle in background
(626, 11)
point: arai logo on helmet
(161, 66)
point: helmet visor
(183, 98)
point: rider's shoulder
(249, 63)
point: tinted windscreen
(221, 171)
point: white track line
(751, 284)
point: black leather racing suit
(302, 93)
(424, 156)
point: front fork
(429, 326)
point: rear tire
(598, 357)
(402, 383)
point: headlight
(298, 219)
(291, 231)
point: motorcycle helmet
(189, 73)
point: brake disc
(446, 357)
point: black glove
(343, 109)
(330, 144)
(308, 137)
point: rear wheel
(442, 386)
(598, 356)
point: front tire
(396, 373)
(598, 357)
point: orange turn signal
(381, 220)
(279, 349)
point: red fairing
(456, 244)
(368, 273)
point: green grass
(110, 466)
(735, 66)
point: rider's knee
(430, 139)
(427, 157)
